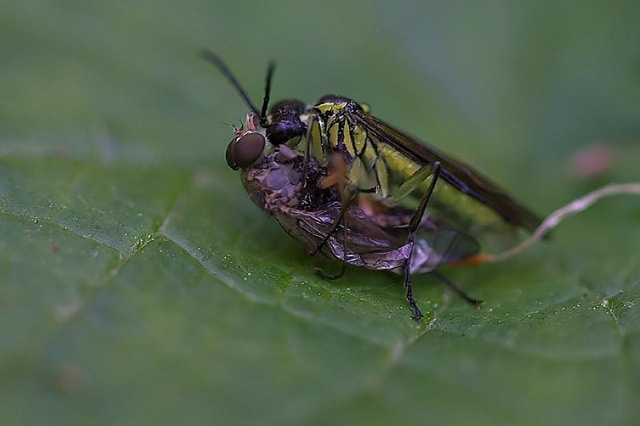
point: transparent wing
(379, 241)
(435, 244)
(367, 244)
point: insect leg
(371, 190)
(379, 166)
(341, 215)
(347, 193)
(414, 224)
(343, 268)
(415, 180)
(417, 314)
(457, 290)
(332, 277)
(307, 150)
(305, 165)
(419, 213)
(460, 292)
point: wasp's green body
(398, 165)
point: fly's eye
(245, 150)
(229, 155)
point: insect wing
(435, 244)
(367, 245)
(374, 246)
(461, 176)
(434, 249)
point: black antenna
(267, 92)
(215, 60)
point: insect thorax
(333, 130)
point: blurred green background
(139, 285)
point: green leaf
(139, 284)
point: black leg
(332, 277)
(307, 151)
(334, 226)
(343, 268)
(345, 202)
(372, 190)
(414, 224)
(419, 213)
(457, 290)
(417, 314)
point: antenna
(267, 92)
(215, 60)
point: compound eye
(247, 149)
(229, 154)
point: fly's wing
(367, 245)
(442, 247)
(457, 174)
(435, 244)
(304, 227)
(370, 246)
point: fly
(308, 211)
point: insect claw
(417, 315)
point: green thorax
(376, 164)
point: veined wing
(367, 245)
(435, 245)
(378, 242)
(459, 175)
(443, 247)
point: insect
(393, 165)
(307, 211)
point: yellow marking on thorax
(366, 169)
(389, 168)
(332, 127)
